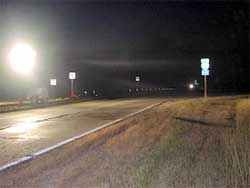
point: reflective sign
(205, 63)
(72, 75)
(205, 72)
(52, 82)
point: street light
(22, 58)
(191, 86)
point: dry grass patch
(238, 147)
(196, 154)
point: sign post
(72, 77)
(205, 73)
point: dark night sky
(107, 44)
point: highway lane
(25, 132)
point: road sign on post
(72, 77)
(205, 73)
(52, 91)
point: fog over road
(25, 132)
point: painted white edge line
(14, 163)
(60, 144)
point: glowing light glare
(191, 86)
(21, 128)
(27, 125)
(22, 58)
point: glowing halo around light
(191, 86)
(22, 58)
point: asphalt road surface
(26, 132)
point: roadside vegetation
(237, 144)
(208, 146)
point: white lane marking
(60, 144)
(16, 162)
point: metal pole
(205, 86)
(72, 88)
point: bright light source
(191, 86)
(22, 58)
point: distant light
(22, 58)
(85, 92)
(129, 90)
(137, 78)
(191, 86)
(94, 92)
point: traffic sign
(53, 82)
(72, 75)
(205, 72)
(205, 63)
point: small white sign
(137, 79)
(53, 82)
(72, 75)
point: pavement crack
(41, 120)
(10, 138)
